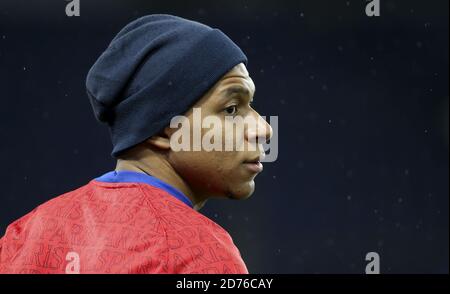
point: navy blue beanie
(156, 67)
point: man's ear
(162, 139)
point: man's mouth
(254, 165)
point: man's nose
(260, 133)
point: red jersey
(121, 222)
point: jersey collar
(123, 176)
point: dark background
(363, 124)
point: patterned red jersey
(121, 222)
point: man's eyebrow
(236, 90)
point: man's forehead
(239, 69)
(238, 76)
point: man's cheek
(233, 136)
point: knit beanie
(156, 67)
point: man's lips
(255, 164)
(256, 167)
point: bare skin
(201, 175)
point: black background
(363, 123)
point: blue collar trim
(138, 177)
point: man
(142, 217)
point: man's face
(225, 173)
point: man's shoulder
(138, 224)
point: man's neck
(146, 161)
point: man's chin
(243, 192)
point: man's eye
(231, 110)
